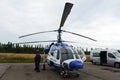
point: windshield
(76, 54)
(81, 53)
(66, 53)
(117, 54)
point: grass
(88, 58)
(17, 58)
(21, 58)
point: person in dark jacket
(37, 61)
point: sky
(98, 19)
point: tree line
(17, 48)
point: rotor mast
(59, 35)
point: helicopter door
(56, 57)
(56, 54)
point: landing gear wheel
(65, 75)
(62, 73)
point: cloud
(98, 19)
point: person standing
(37, 60)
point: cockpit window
(66, 54)
(76, 54)
(81, 53)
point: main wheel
(65, 75)
(62, 73)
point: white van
(105, 56)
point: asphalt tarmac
(25, 71)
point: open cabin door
(103, 57)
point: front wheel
(117, 65)
(64, 74)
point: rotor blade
(35, 42)
(68, 41)
(66, 11)
(79, 35)
(37, 33)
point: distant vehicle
(105, 56)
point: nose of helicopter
(76, 65)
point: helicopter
(62, 56)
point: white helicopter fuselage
(64, 56)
